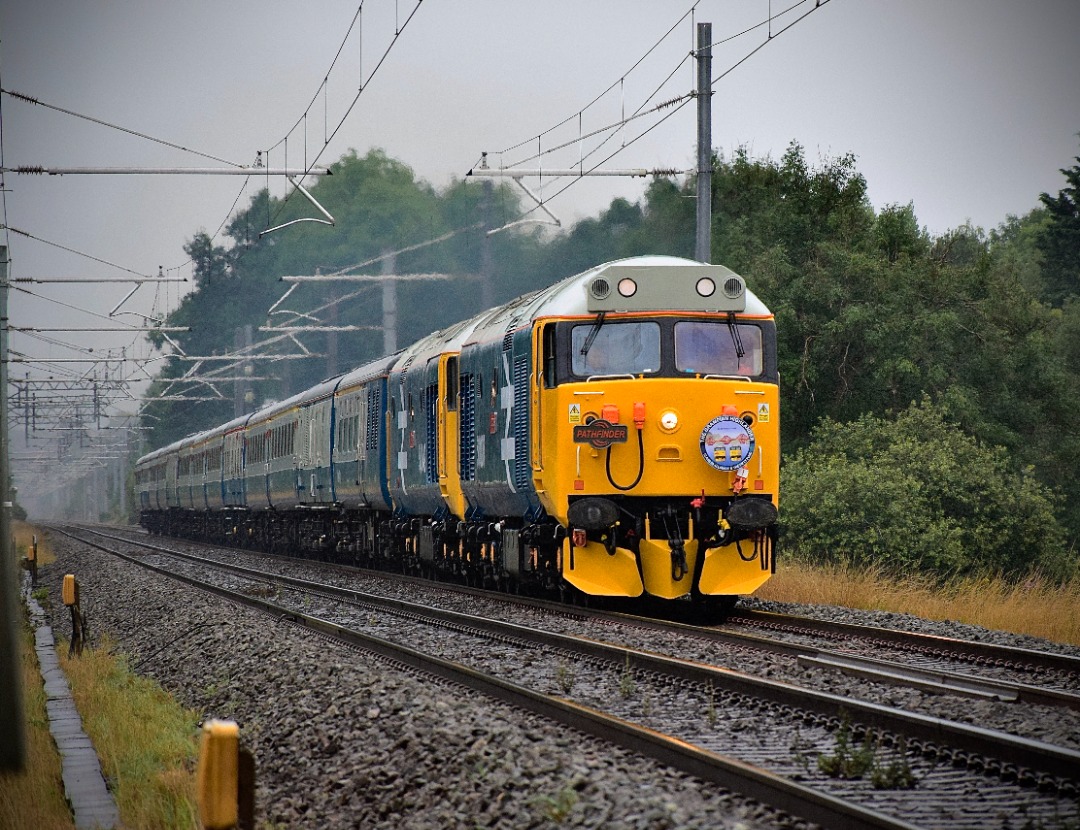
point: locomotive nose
(592, 514)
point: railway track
(772, 741)
(889, 656)
(938, 648)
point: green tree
(917, 493)
(1060, 242)
(897, 234)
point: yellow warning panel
(660, 571)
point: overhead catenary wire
(30, 99)
(675, 104)
(303, 119)
(39, 296)
(79, 253)
(399, 29)
(612, 86)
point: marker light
(669, 420)
(627, 287)
(705, 287)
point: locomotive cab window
(550, 363)
(601, 348)
(452, 384)
(718, 348)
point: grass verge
(35, 796)
(147, 743)
(1033, 606)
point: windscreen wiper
(736, 338)
(595, 330)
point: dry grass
(24, 534)
(1034, 606)
(34, 797)
(146, 742)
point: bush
(918, 494)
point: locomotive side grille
(508, 341)
(520, 423)
(373, 408)
(363, 421)
(431, 400)
(467, 430)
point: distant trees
(379, 206)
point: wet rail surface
(917, 768)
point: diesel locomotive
(615, 434)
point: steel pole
(703, 249)
(389, 304)
(12, 740)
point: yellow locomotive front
(655, 436)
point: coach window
(718, 348)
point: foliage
(848, 761)
(915, 493)
(787, 210)
(1060, 243)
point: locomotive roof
(667, 283)
(662, 283)
(372, 369)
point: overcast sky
(967, 108)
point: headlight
(669, 420)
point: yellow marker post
(218, 774)
(70, 594)
(31, 562)
(70, 591)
